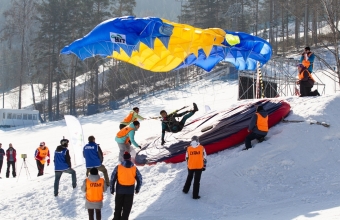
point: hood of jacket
(60, 148)
(263, 113)
(94, 178)
(127, 163)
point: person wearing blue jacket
(94, 158)
(308, 56)
(62, 164)
(125, 135)
(122, 183)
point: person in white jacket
(94, 186)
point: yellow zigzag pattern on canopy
(185, 40)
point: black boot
(195, 107)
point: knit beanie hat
(94, 171)
(127, 156)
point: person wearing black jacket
(258, 126)
(62, 164)
(125, 174)
(170, 124)
(2, 154)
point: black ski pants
(191, 173)
(98, 214)
(1, 161)
(40, 168)
(251, 137)
(123, 205)
(9, 163)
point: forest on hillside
(33, 32)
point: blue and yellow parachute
(159, 45)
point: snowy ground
(293, 175)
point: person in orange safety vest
(131, 117)
(126, 136)
(306, 82)
(125, 174)
(258, 127)
(196, 161)
(42, 155)
(94, 187)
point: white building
(18, 117)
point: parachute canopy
(159, 45)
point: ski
(312, 122)
(159, 117)
(179, 110)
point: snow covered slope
(292, 175)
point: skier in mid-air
(170, 124)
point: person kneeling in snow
(94, 186)
(306, 82)
(196, 161)
(258, 127)
(170, 124)
(125, 174)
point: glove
(136, 192)
(163, 142)
(140, 147)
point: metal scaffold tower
(277, 78)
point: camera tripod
(24, 164)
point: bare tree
(19, 19)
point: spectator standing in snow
(124, 136)
(62, 164)
(42, 153)
(307, 59)
(131, 117)
(258, 127)
(125, 174)
(306, 82)
(94, 158)
(2, 154)
(11, 155)
(196, 162)
(94, 186)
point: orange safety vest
(43, 153)
(128, 118)
(124, 132)
(262, 123)
(301, 75)
(94, 190)
(126, 176)
(195, 157)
